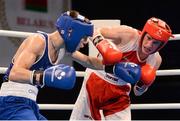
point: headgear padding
(73, 30)
(157, 29)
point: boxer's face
(150, 45)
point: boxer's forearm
(87, 61)
(20, 75)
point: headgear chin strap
(157, 29)
(73, 30)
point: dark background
(133, 13)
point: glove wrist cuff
(37, 78)
(97, 39)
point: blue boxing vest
(44, 61)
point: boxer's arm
(119, 34)
(87, 61)
(25, 56)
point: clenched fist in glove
(110, 53)
(127, 71)
(60, 76)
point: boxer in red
(127, 47)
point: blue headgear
(73, 30)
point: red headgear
(157, 29)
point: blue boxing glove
(127, 71)
(60, 76)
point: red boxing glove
(108, 50)
(148, 74)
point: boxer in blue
(37, 64)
